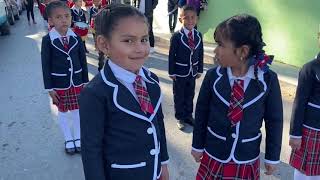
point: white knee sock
(62, 118)
(299, 176)
(76, 126)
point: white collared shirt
(54, 34)
(127, 78)
(246, 78)
(186, 31)
(142, 6)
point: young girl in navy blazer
(122, 128)
(65, 71)
(305, 123)
(78, 15)
(234, 100)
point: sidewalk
(286, 73)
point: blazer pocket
(251, 139)
(181, 64)
(78, 71)
(128, 166)
(216, 135)
(57, 74)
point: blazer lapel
(222, 86)
(72, 43)
(184, 39)
(253, 90)
(196, 38)
(154, 90)
(58, 45)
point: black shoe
(78, 149)
(181, 125)
(189, 121)
(70, 151)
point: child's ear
(244, 51)
(180, 19)
(102, 44)
(50, 21)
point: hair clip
(261, 60)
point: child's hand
(173, 77)
(198, 76)
(54, 96)
(270, 168)
(197, 155)
(295, 143)
(164, 172)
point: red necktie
(143, 96)
(235, 113)
(65, 43)
(190, 40)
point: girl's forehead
(131, 24)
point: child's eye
(145, 40)
(130, 41)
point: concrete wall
(289, 26)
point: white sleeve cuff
(296, 137)
(48, 90)
(165, 162)
(197, 150)
(271, 162)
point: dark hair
(241, 30)
(108, 18)
(54, 5)
(188, 8)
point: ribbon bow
(262, 61)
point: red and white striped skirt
(210, 169)
(307, 158)
(68, 98)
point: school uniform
(228, 148)
(119, 140)
(77, 15)
(305, 122)
(173, 14)
(92, 13)
(185, 63)
(65, 71)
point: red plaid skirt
(210, 169)
(68, 98)
(307, 158)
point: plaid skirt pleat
(307, 158)
(210, 169)
(68, 98)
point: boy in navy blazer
(185, 65)
(65, 71)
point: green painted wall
(290, 27)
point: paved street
(31, 144)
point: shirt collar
(125, 75)
(54, 34)
(249, 74)
(186, 31)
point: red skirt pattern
(307, 158)
(210, 169)
(68, 98)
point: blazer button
(233, 135)
(149, 130)
(70, 69)
(153, 152)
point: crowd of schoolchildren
(117, 118)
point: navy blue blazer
(306, 106)
(119, 141)
(241, 143)
(61, 69)
(183, 61)
(77, 17)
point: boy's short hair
(188, 8)
(54, 5)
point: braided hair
(241, 30)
